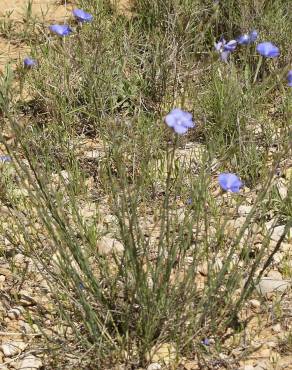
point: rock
(255, 303)
(268, 285)
(14, 313)
(26, 299)
(108, 246)
(88, 211)
(19, 259)
(277, 328)
(278, 230)
(286, 247)
(282, 188)
(271, 344)
(2, 280)
(275, 274)
(11, 349)
(247, 367)
(154, 366)
(261, 366)
(244, 210)
(189, 364)
(30, 362)
(92, 154)
(166, 353)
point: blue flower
(224, 55)
(61, 29)
(225, 48)
(5, 158)
(253, 35)
(29, 62)
(289, 78)
(247, 38)
(229, 182)
(230, 46)
(179, 120)
(206, 342)
(82, 16)
(268, 50)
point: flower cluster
(64, 29)
(247, 38)
(177, 119)
(266, 49)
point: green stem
(258, 69)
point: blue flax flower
(82, 16)
(60, 29)
(229, 182)
(179, 120)
(268, 50)
(225, 48)
(247, 38)
(29, 62)
(206, 342)
(5, 158)
(289, 78)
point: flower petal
(170, 120)
(268, 50)
(230, 46)
(60, 29)
(179, 129)
(29, 62)
(224, 55)
(289, 78)
(243, 39)
(253, 35)
(229, 181)
(82, 16)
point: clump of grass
(184, 272)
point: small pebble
(255, 303)
(11, 349)
(154, 366)
(30, 362)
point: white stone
(261, 366)
(14, 313)
(268, 285)
(154, 366)
(244, 210)
(107, 246)
(255, 303)
(30, 362)
(277, 328)
(92, 154)
(274, 274)
(282, 188)
(11, 349)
